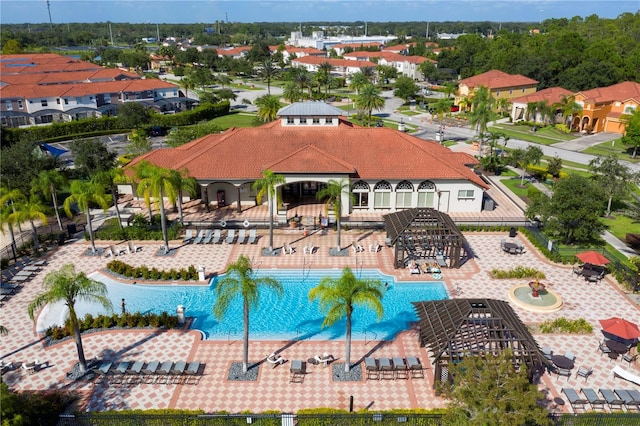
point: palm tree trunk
(93, 243)
(78, 338)
(339, 227)
(13, 241)
(55, 206)
(608, 212)
(114, 197)
(270, 222)
(347, 354)
(163, 223)
(34, 234)
(180, 207)
(245, 335)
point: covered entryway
(300, 193)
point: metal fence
(354, 419)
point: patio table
(617, 347)
(562, 361)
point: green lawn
(236, 119)
(545, 136)
(514, 186)
(620, 225)
(615, 147)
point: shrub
(564, 325)
(517, 272)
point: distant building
(501, 85)
(319, 41)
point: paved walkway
(272, 390)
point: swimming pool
(291, 316)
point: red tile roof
(104, 74)
(356, 45)
(618, 92)
(234, 51)
(551, 95)
(369, 153)
(314, 60)
(497, 80)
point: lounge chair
(357, 248)
(252, 237)
(595, 401)
(135, 372)
(375, 247)
(400, 368)
(199, 237)
(371, 366)
(242, 236)
(231, 236)
(117, 374)
(149, 371)
(102, 371)
(216, 236)
(275, 360)
(207, 237)
(414, 268)
(629, 401)
(287, 249)
(612, 399)
(386, 369)
(547, 352)
(630, 358)
(162, 373)
(440, 260)
(309, 248)
(584, 372)
(574, 399)
(626, 375)
(29, 367)
(297, 371)
(177, 372)
(188, 236)
(110, 252)
(325, 360)
(132, 248)
(635, 394)
(192, 372)
(415, 367)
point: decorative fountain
(535, 296)
(536, 288)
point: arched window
(382, 195)
(404, 194)
(361, 193)
(426, 194)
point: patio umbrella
(593, 257)
(621, 328)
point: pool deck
(272, 390)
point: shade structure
(593, 257)
(621, 328)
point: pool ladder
(366, 333)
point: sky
(209, 11)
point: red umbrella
(593, 257)
(620, 327)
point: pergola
(457, 328)
(424, 233)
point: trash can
(512, 232)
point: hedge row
(126, 320)
(126, 270)
(114, 233)
(517, 272)
(203, 112)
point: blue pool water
(291, 316)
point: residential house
(604, 108)
(550, 96)
(343, 67)
(501, 85)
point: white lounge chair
(131, 248)
(242, 236)
(375, 247)
(188, 236)
(199, 237)
(275, 361)
(216, 236)
(309, 248)
(325, 359)
(207, 237)
(625, 375)
(252, 236)
(287, 249)
(231, 236)
(357, 248)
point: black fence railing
(355, 419)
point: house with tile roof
(549, 96)
(604, 108)
(48, 88)
(312, 143)
(342, 67)
(501, 85)
(408, 66)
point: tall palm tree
(369, 99)
(503, 105)
(369, 73)
(302, 78)
(7, 198)
(268, 106)
(30, 211)
(183, 182)
(239, 281)
(324, 70)
(357, 81)
(531, 110)
(267, 185)
(338, 297)
(84, 194)
(332, 194)
(291, 92)
(440, 108)
(65, 285)
(481, 110)
(111, 178)
(450, 89)
(187, 83)
(268, 71)
(157, 182)
(46, 184)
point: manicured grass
(514, 186)
(236, 119)
(410, 113)
(617, 148)
(546, 136)
(619, 225)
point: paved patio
(272, 390)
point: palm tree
(157, 182)
(7, 199)
(65, 285)
(46, 184)
(84, 194)
(357, 81)
(30, 211)
(503, 105)
(440, 108)
(111, 178)
(291, 92)
(267, 185)
(339, 296)
(240, 281)
(187, 83)
(450, 89)
(183, 182)
(324, 71)
(267, 72)
(481, 110)
(332, 193)
(369, 99)
(464, 102)
(302, 78)
(268, 106)
(369, 73)
(568, 107)
(531, 110)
